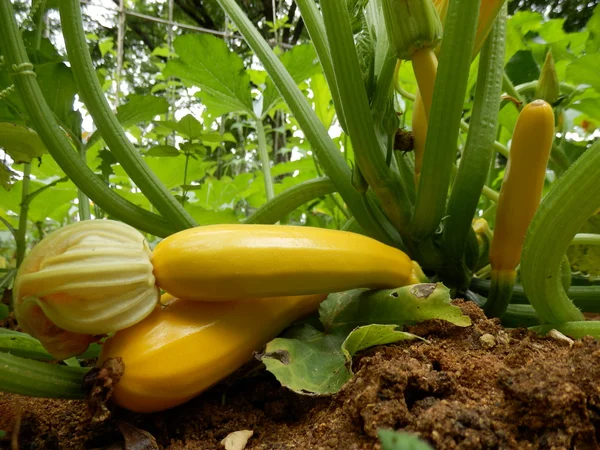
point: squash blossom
(82, 282)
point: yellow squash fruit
(185, 347)
(87, 279)
(523, 183)
(235, 262)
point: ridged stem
(265, 162)
(573, 198)
(54, 137)
(369, 156)
(446, 111)
(313, 21)
(39, 379)
(23, 213)
(477, 154)
(290, 199)
(93, 96)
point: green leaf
(589, 106)
(141, 108)
(301, 63)
(206, 61)
(584, 70)
(405, 305)
(59, 89)
(21, 143)
(290, 167)
(207, 217)
(394, 440)
(189, 127)
(6, 176)
(308, 361)
(371, 335)
(163, 150)
(522, 67)
(106, 45)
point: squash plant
(420, 205)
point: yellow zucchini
(184, 348)
(235, 262)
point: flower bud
(548, 88)
(83, 281)
(411, 25)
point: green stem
(290, 199)
(500, 292)
(444, 120)
(509, 88)
(55, 140)
(497, 146)
(329, 155)
(576, 330)
(478, 153)
(265, 162)
(313, 21)
(39, 379)
(573, 198)
(586, 239)
(530, 87)
(185, 173)
(30, 197)
(340, 206)
(93, 96)
(23, 213)
(369, 156)
(83, 201)
(585, 297)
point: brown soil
(466, 388)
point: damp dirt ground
(480, 387)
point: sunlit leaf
(21, 143)
(206, 61)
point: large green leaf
(584, 70)
(301, 63)
(189, 127)
(21, 143)
(311, 361)
(522, 67)
(206, 61)
(59, 89)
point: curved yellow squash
(182, 349)
(235, 262)
(523, 183)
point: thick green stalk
(23, 213)
(328, 154)
(313, 21)
(290, 199)
(39, 379)
(478, 153)
(265, 162)
(93, 96)
(573, 198)
(444, 120)
(369, 156)
(54, 137)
